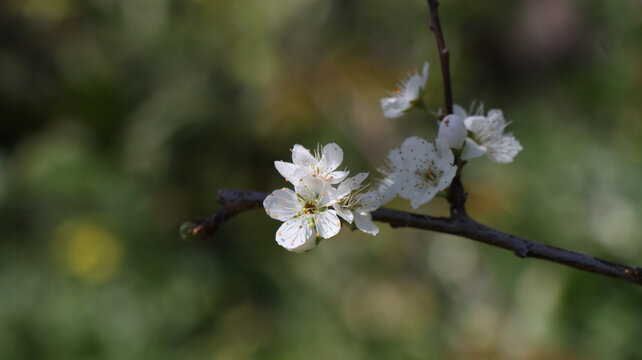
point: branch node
(523, 251)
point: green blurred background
(120, 119)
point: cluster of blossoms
(417, 171)
(321, 195)
(420, 169)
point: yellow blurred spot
(87, 250)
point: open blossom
(305, 212)
(407, 96)
(353, 204)
(420, 169)
(487, 137)
(322, 165)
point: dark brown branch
(235, 202)
(444, 55)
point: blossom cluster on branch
(417, 171)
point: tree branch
(235, 202)
(444, 54)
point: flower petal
(423, 197)
(369, 201)
(281, 204)
(459, 111)
(336, 177)
(452, 131)
(331, 157)
(328, 224)
(296, 235)
(394, 107)
(348, 185)
(476, 123)
(286, 169)
(363, 221)
(302, 156)
(472, 150)
(345, 213)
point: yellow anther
(300, 226)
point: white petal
(328, 224)
(476, 123)
(472, 150)
(281, 204)
(369, 201)
(331, 157)
(504, 150)
(286, 169)
(415, 151)
(424, 74)
(344, 213)
(348, 185)
(363, 221)
(407, 185)
(413, 88)
(446, 178)
(309, 186)
(459, 111)
(302, 156)
(421, 198)
(452, 131)
(296, 235)
(327, 195)
(394, 107)
(337, 176)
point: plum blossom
(487, 137)
(419, 170)
(305, 212)
(407, 96)
(322, 164)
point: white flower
(354, 205)
(305, 214)
(322, 165)
(452, 131)
(407, 96)
(487, 137)
(420, 169)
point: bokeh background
(120, 119)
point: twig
(444, 54)
(235, 202)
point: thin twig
(444, 54)
(235, 202)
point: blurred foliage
(122, 118)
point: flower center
(310, 207)
(432, 175)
